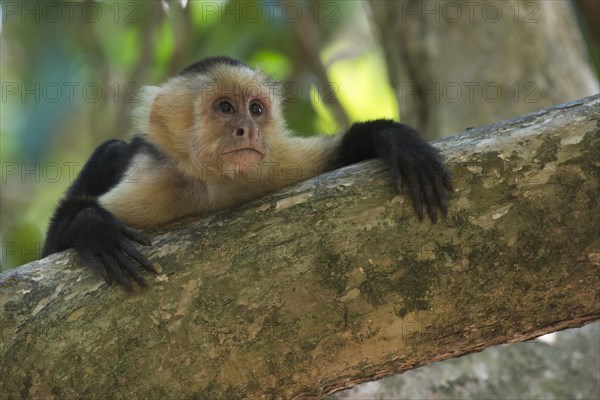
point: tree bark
(460, 64)
(329, 283)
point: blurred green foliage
(71, 73)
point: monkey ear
(170, 123)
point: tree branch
(329, 283)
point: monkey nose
(243, 132)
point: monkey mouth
(244, 150)
(244, 158)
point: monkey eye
(256, 109)
(225, 106)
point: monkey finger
(139, 257)
(396, 177)
(432, 213)
(135, 235)
(443, 202)
(113, 268)
(447, 180)
(127, 264)
(439, 192)
(99, 267)
(104, 274)
(96, 265)
(415, 190)
(442, 198)
(430, 197)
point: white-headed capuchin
(210, 138)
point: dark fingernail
(433, 217)
(444, 208)
(150, 267)
(145, 240)
(398, 184)
(127, 285)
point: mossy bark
(329, 283)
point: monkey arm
(409, 158)
(101, 240)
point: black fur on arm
(100, 239)
(409, 158)
(106, 167)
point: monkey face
(237, 114)
(216, 125)
(240, 125)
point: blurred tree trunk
(589, 10)
(461, 64)
(337, 284)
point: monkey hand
(104, 243)
(101, 240)
(417, 163)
